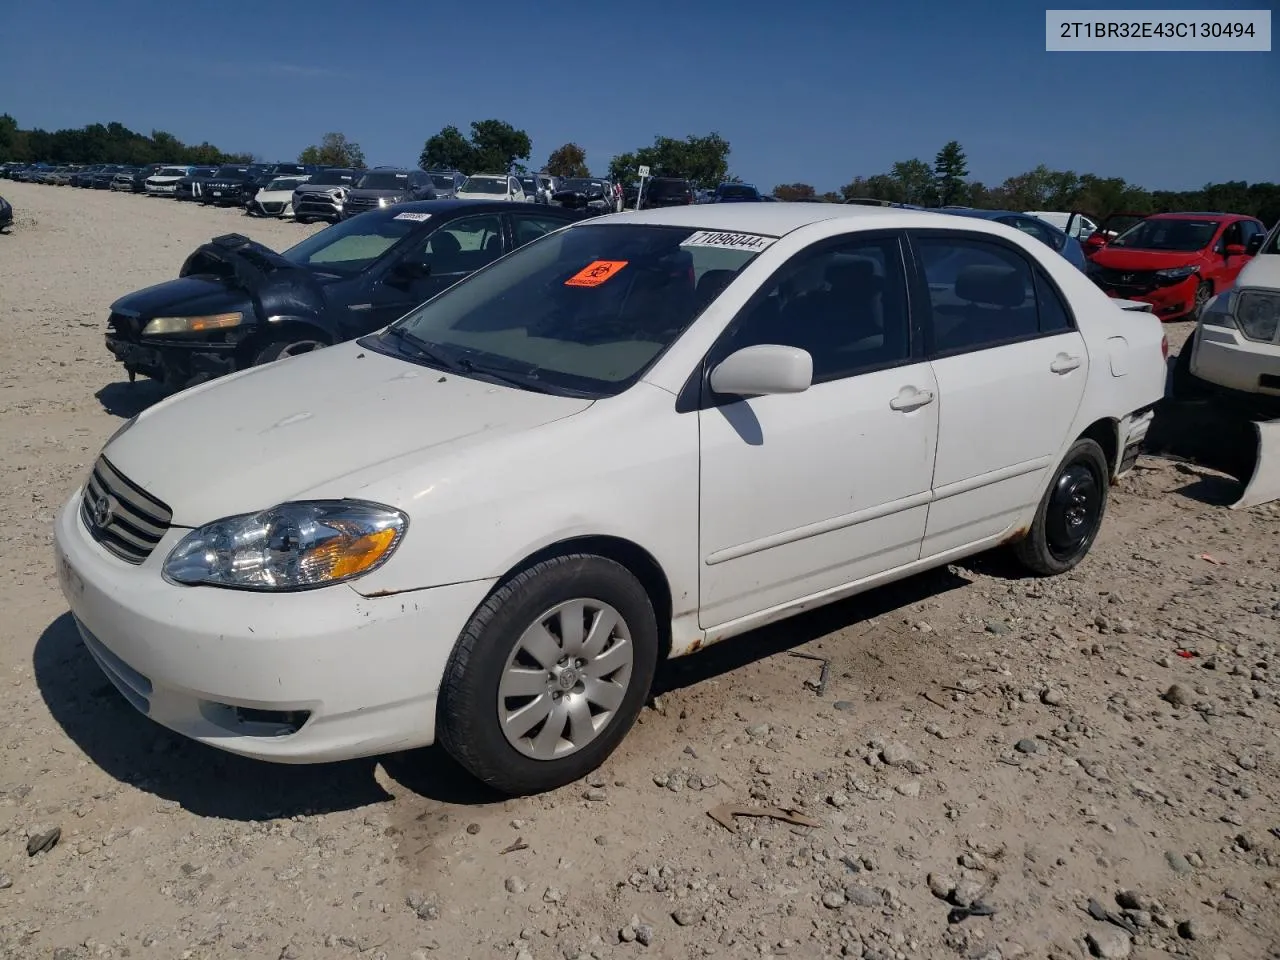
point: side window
(530, 227)
(1233, 234)
(464, 245)
(981, 294)
(1033, 227)
(846, 305)
(1251, 229)
(1054, 315)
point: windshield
(230, 173)
(285, 183)
(586, 310)
(383, 181)
(579, 185)
(495, 185)
(1272, 243)
(172, 172)
(351, 245)
(332, 178)
(738, 191)
(667, 187)
(290, 168)
(442, 181)
(1172, 234)
(529, 184)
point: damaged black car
(237, 303)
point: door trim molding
(995, 476)
(817, 529)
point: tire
(1070, 512)
(1183, 384)
(481, 727)
(291, 347)
(1204, 290)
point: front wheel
(1204, 290)
(1070, 512)
(279, 349)
(549, 675)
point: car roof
(1199, 215)
(777, 219)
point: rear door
(1011, 368)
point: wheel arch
(635, 559)
(280, 329)
(1106, 433)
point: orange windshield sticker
(596, 273)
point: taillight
(1164, 346)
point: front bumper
(175, 362)
(304, 677)
(273, 208)
(321, 207)
(1224, 357)
(162, 189)
(1171, 302)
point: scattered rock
(758, 731)
(896, 754)
(644, 934)
(43, 841)
(687, 916)
(910, 788)
(862, 896)
(1052, 697)
(834, 899)
(941, 886)
(1178, 695)
(425, 908)
(515, 885)
(1109, 944)
(1027, 745)
(1177, 862)
(1189, 930)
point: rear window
(738, 191)
(586, 310)
(442, 181)
(668, 187)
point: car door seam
(958, 487)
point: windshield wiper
(418, 348)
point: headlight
(1258, 314)
(161, 326)
(1178, 273)
(295, 546)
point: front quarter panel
(626, 467)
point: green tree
(703, 160)
(8, 137)
(497, 145)
(794, 191)
(334, 150)
(950, 167)
(569, 160)
(915, 181)
(447, 150)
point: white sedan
(1235, 348)
(486, 524)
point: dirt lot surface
(1093, 757)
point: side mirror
(1235, 250)
(408, 270)
(1255, 244)
(766, 368)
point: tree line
(110, 143)
(496, 146)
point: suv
(666, 192)
(446, 182)
(1176, 261)
(736, 193)
(324, 196)
(384, 186)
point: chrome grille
(120, 515)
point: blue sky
(811, 90)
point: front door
(1011, 370)
(803, 493)
(451, 252)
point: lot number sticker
(752, 242)
(419, 217)
(595, 273)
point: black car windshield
(284, 183)
(579, 185)
(585, 310)
(442, 181)
(738, 192)
(289, 168)
(660, 186)
(231, 173)
(1172, 233)
(351, 245)
(383, 181)
(332, 178)
(494, 185)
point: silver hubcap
(565, 679)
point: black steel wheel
(1070, 512)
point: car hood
(1121, 259)
(322, 188)
(187, 297)
(294, 428)
(1262, 271)
(275, 196)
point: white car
(1236, 345)
(1081, 228)
(639, 435)
(276, 198)
(493, 186)
(164, 182)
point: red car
(1176, 261)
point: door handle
(909, 398)
(1063, 363)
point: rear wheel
(1070, 512)
(549, 675)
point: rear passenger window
(981, 294)
(1054, 315)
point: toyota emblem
(102, 511)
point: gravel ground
(1092, 757)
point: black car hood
(229, 273)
